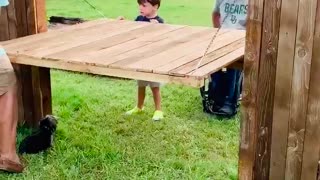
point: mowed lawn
(94, 140)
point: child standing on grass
(148, 13)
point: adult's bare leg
(8, 130)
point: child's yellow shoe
(157, 116)
(135, 110)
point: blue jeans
(226, 88)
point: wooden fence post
(280, 129)
(22, 18)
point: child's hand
(154, 21)
(120, 18)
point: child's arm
(157, 20)
(154, 21)
(121, 18)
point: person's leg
(218, 93)
(141, 96)
(156, 97)
(239, 87)
(241, 79)
(231, 79)
(8, 115)
(155, 88)
(9, 160)
(213, 96)
(231, 89)
(8, 124)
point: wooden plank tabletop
(136, 50)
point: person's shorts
(148, 83)
(7, 75)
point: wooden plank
(41, 16)
(82, 35)
(133, 48)
(104, 44)
(300, 90)
(251, 69)
(31, 103)
(27, 94)
(36, 93)
(190, 48)
(83, 39)
(31, 16)
(21, 18)
(12, 20)
(218, 64)
(4, 30)
(176, 39)
(41, 93)
(41, 76)
(281, 110)
(27, 39)
(312, 134)
(148, 63)
(266, 87)
(109, 55)
(191, 60)
(56, 64)
(45, 86)
(211, 57)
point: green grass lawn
(95, 141)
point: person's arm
(216, 20)
(157, 20)
(121, 18)
(216, 14)
(154, 21)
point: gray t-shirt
(233, 12)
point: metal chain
(94, 8)
(211, 42)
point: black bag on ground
(221, 96)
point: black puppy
(42, 139)
(65, 20)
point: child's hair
(152, 2)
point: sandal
(10, 166)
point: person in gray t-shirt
(230, 14)
(225, 86)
